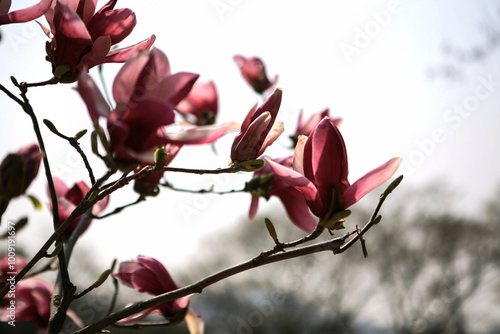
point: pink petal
(297, 209)
(123, 54)
(326, 149)
(124, 83)
(276, 130)
(248, 147)
(138, 316)
(95, 102)
(86, 9)
(152, 74)
(199, 135)
(71, 36)
(60, 188)
(5, 6)
(97, 54)
(116, 24)
(167, 283)
(254, 205)
(300, 183)
(76, 194)
(23, 15)
(370, 181)
(175, 87)
(125, 271)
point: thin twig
(119, 209)
(51, 81)
(201, 191)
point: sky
(373, 63)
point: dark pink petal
(370, 181)
(199, 135)
(167, 283)
(110, 5)
(86, 9)
(71, 36)
(121, 55)
(328, 160)
(144, 280)
(97, 53)
(23, 15)
(5, 6)
(297, 209)
(76, 194)
(91, 95)
(116, 24)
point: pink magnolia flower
(266, 183)
(148, 185)
(305, 128)
(32, 303)
(17, 171)
(145, 92)
(32, 295)
(258, 130)
(146, 274)
(201, 105)
(82, 37)
(254, 72)
(22, 15)
(320, 171)
(69, 198)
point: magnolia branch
(337, 246)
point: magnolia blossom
(69, 198)
(82, 38)
(201, 105)
(320, 169)
(17, 171)
(22, 15)
(258, 130)
(265, 183)
(254, 72)
(146, 93)
(146, 274)
(304, 128)
(32, 296)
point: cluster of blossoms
(149, 100)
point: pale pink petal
(194, 322)
(370, 181)
(91, 95)
(298, 155)
(297, 209)
(138, 316)
(199, 135)
(121, 55)
(60, 187)
(271, 137)
(23, 15)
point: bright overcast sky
(369, 61)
